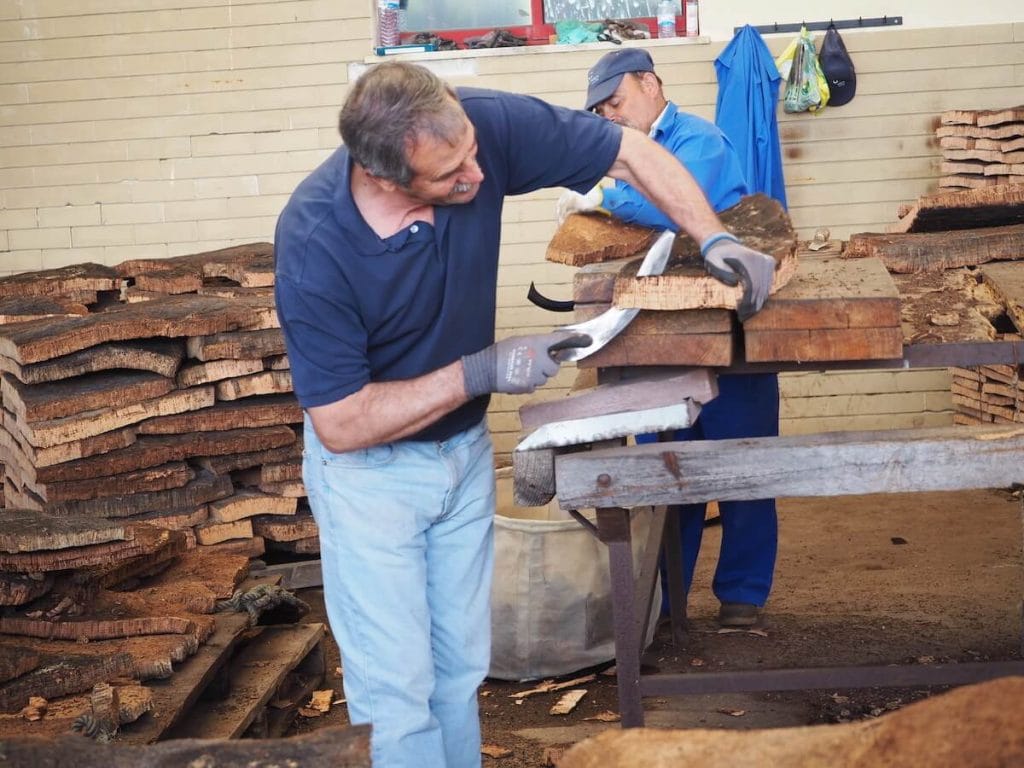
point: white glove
(574, 202)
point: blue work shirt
(708, 156)
(748, 90)
(357, 308)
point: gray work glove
(728, 260)
(517, 365)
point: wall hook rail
(859, 22)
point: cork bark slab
(758, 220)
(22, 308)
(22, 588)
(45, 434)
(590, 238)
(936, 251)
(60, 674)
(23, 530)
(245, 504)
(251, 412)
(204, 488)
(162, 356)
(281, 473)
(15, 662)
(174, 474)
(222, 465)
(61, 282)
(987, 207)
(154, 450)
(290, 529)
(238, 345)
(266, 383)
(250, 265)
(194, 374)
(55, 400)
(187, 315)
(145, 540)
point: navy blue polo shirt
(357, 308)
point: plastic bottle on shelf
(692, 21)
(387, 22)
(666, 19)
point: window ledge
(473, 53)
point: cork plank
(758, 220)
(24, 530)
(266, 383)
(68, 397)
(249, 265)
(238, 345)
(936, 251)
(592, 238)
(248, 503)
(173, 316)
(174, 474)
(45, 434)
(154, 450)
(161, 356)
(62, 281)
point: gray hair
(388, 109)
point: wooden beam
(832, 292)
(699, 385)
(831, 464)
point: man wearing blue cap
(623, 88)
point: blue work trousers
(747, 406)
(407, 551)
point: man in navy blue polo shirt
(386, 278)
(624, 88)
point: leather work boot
(737, 615)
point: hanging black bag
(838, 68)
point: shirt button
(414, 228)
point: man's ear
(649, 83)
(387, 185)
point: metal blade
(610, 323)
(591, 428)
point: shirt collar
(361, 235)
(664, 119)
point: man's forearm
(381, 412)
(663, 180)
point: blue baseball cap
(605, 76)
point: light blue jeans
(407, 549)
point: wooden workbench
(614, 479)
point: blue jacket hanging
(748, 90)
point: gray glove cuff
(480, 372)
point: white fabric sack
(551, 599)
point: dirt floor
(909, 579)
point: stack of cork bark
(982, 148)
(156, 392)
(988, 394)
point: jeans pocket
(364, 458)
